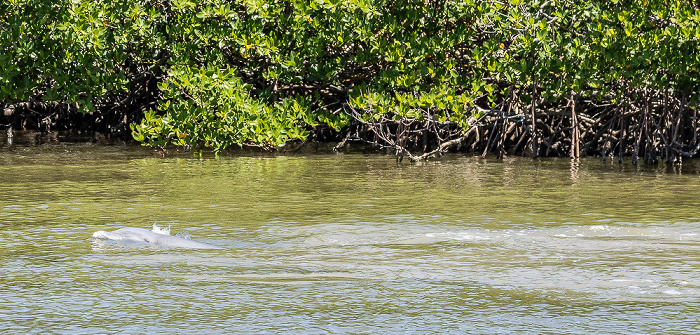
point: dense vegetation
(550, 77)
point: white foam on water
(159, 230)
(461, 236)
(673, 292)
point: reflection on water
(574, 170)
(347, 244)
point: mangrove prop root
(646, 125)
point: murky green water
(347, 244)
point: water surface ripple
(353, 243)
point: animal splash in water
(156, 237)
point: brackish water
(347, 243)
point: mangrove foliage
(541, 77)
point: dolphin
(147, 236)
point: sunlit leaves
(265, 71)
(212, 107)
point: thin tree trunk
(575, 150)
(532, 115)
